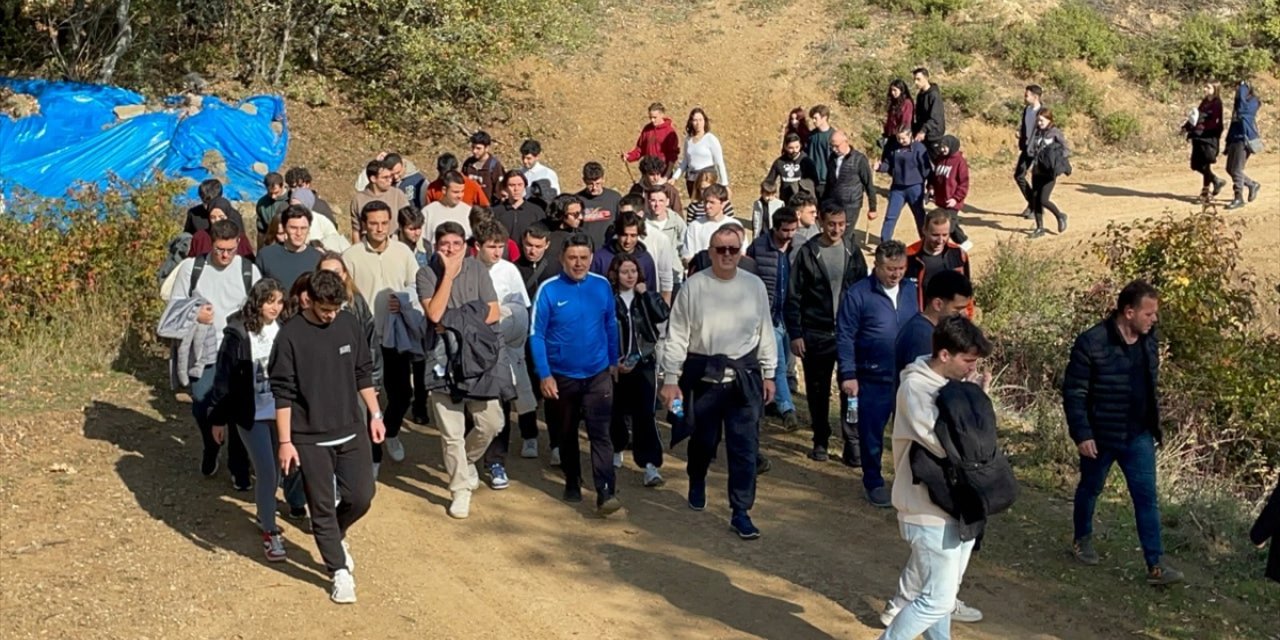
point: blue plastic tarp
(78, 138)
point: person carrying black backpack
(941, 541)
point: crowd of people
(486, 296)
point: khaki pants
(463, 450)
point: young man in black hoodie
(929, 122)
(1026, 156)
(319, 363)
(793, 171)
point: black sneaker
(1234, 204)
(763, 464)
(742, 525)
(790, 421)
(697, 494)
(1062, 224)
(1084, 552)
(1218, 184)
(209, 462)
(1027, 214)
(1254, 188)
(241, 484)
(850, 456)
(819, 453)
(879, 497)
(609, 506)
(297, 513)
(572, 492)
(1036, 233)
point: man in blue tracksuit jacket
(574, 341)
(867, 327)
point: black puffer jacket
(769, 259)
(638, 324)
(231, 402)
(809, 307)
(1096, 391)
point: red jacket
(472, 193)
(953, 257)
(950, 179)
(899, 118)
(661, 141)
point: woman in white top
(702, 152)
(242, 397)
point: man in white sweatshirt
(931, 579)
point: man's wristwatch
(377, 415)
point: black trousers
(1020, 176)
(397, 382)
(1041, 192)
(590, 398)
(819, 363)
(348, 463)
(731, 410)
(237, 455)
(635, 424)
(528, 422)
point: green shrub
(969, 97)
(1072, 30)
(1119, 127)
(1202, 47)
(854, 18)
(100, 244)
(1006, 113)
(861, 83)
(1071, 93)
(1263, 22)
(924, 7)
(935, 43)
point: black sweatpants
(500, 446)
(349, 464)
(590, 398)
(819, 366)
(634, 415)
(397, 381)
(1020, 176)
(731, 410)
(1041, 191)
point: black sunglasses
(726, 251)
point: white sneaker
(651, 476)
(965, 613)
(618, 459)
(460, 508)
(555, 456)
(967, 245)
(344, 587)
(890, 612)
(530, 448)
(350, 562)
(395, 449)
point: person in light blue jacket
(1243, 140)
(574, 342)
(871, 313)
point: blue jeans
(932, 576)
(1137, 461)
(875, 403)
(782, 395)
(912, 196)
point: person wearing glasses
(564, 218)
(719, 362)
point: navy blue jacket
(1244, 116)
(915, 339)
(908, 166)
(575, 327)
(867, 329)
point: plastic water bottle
(677, 407)
(851, 410)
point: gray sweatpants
(1237, 156)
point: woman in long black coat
(1205, 135)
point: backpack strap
(196, 269)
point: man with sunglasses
(719, 361)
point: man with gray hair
(849, 180)
(719, 364)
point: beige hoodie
(914, 420)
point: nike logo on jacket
(574, 327)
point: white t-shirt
(697, 236)
(665, 261)
(260, 345)
(223, 288)
(507, 283)
(893, 294)
(437, 213)
(541, 171)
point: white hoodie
(914, 420)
